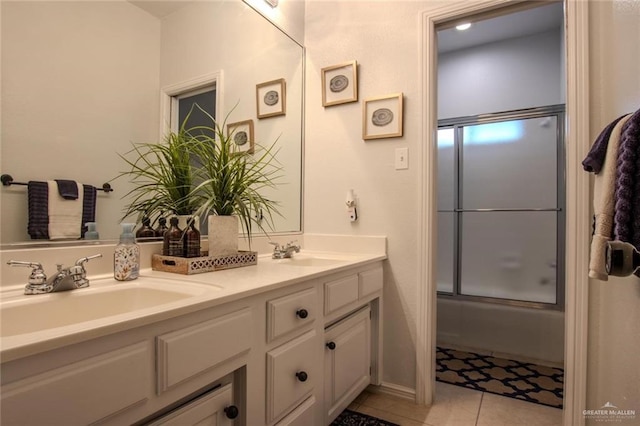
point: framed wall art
(241, 133)
(340, 84)
(382, 117)
(271, 98)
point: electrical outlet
(402, 158)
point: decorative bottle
(174, 239)
(192, 240)
(162, 227)
(92, 233)
(126, 259)
(146, 231)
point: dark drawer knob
(331, 345)
(302, 313)
(302, 376)
(231, 411)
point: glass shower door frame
(458, 125)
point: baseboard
(394, 390)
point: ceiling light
(463, 27)
(272, 3)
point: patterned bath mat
(351, 418)
(529, 382)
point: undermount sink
(310, 261)
(30, 314)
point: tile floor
(457, 406)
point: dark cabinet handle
(331, 345)
(231, 411)
(302, 376)
(302, 313)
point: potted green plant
(231, 184)
(162, 175)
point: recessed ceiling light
(463, 27)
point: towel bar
(7, 180)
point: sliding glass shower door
(500, 207)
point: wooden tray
(198, 265)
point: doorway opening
(576, 26)
(500, 203)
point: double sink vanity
(284, 342)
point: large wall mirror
(82, 80)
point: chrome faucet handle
(37, 276)
(83, 260)
(276, 246)
(79, 273)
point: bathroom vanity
(284, 342)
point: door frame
(578, 220)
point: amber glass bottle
(173, 240)
(192, 240)
(145, 231)
(162, 227)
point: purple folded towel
(595, 158)
(68, 189)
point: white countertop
(210, 289)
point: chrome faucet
(64, 279)
(284, 252)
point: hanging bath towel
(65, 215)
(603, 205)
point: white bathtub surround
(524, 334)
(223, 235)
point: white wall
(383, 37)
(517, 73)
(614, 306)
(66, 133)
(248, 51)
(288, 16)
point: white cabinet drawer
(83, 392)
(290, 312)
(369, 282)
(208, 409)
(187, 352)
(303, 415)
(340, 292)
(291, 374)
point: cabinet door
(347, 361)
(207, 410)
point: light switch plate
(402, 158)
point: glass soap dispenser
(92, 232)
(126, 259)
